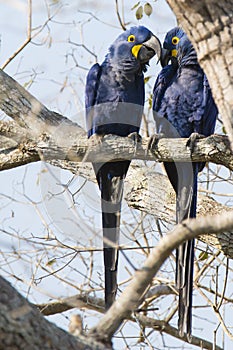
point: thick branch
(85, 301)
(69, 142)
(133, 294)
(23, 327)
(21, 106)
(145, 187)
(164, 327)
(77, 301)
(97, 304)
(55, 137)
(142, 186)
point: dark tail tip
(185, 325)
(110, 262)
(110, 287)
(184, 274)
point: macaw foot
(95, 140)
(192, 140)
(153, 141)
(136, 139)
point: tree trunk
(23, 327)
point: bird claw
(153, 141)
(192, 140)
(136, 139)
(95, 140)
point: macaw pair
(182, 104)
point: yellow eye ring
(175, 40)
(131, 38)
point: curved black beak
(150, 48)
(166, 56)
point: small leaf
(224, 130)
(148, 9)
(203, 256)
(51, 262)
(28, 83)
(136, 5)
(146, 79)
(38, 180)
(139, 13)
(150, 101)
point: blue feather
(114, 105)
(183, 104)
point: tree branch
(69, 142)
(85, 301)
(27, 40)
(144, 187)
(164, 327)
(37, 332)
(24, 108)
(97, 304)
(77, 301)
(134, 293)
(56, 137)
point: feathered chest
(118, 104)
(117, 87)
(183, 101)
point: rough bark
(96, 304)
(144, 188)
(23, 327)
(70, 143)
(46, 135)
(24, 108)
(209, 25)
(78, 301)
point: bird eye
(131, 38)
(175, 40)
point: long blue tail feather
(183, 177)
(110, 177)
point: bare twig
(217, 313)
(224, 287)
(36, 330)
(119, 17)
(133, 294)
(31, 36)
(93, 303)
(28, 39)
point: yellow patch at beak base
(174, 53)
(135, 50)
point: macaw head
(171, 44)
(134, 48)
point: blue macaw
(114, 105)
(183, 107)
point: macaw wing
(163, 80)
(92, 84)
(162, 105)
(211, 110)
